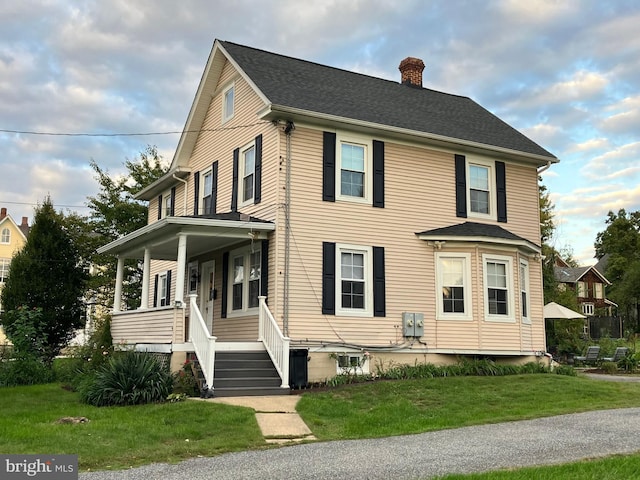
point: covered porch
(177, 315)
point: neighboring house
(12, 239)
(379, 219)
(588, 283)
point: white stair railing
(274, 341)
(203, 342)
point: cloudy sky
(565, 73)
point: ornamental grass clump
(128, 378)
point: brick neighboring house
(13, 236)
(317, 210)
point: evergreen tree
(45, 275)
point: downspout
(186, 183)
(546, 167)
(287, 230)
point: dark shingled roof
(473, 229)
(290, 82)
(569, 274)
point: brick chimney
(3, 213)
(411, 70)
(25, 222)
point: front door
(207, 293)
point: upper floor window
(588, 308)
(167, 206)
(228, 107)
(480, 186)
(207, 192)
(582, 289)
(481, 189)
(4, 269)
(453, 298)
(247, 174)
(354, 170)
(598, 290)
(498, 288)
(5, 237)
(524, 291)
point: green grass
(382, 409)
(610, 468)
(119, 437)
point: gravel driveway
(560, 439)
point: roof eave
(162, 184)
(274, 112)
(524, 244)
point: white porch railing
(204, 343)
(274, 341)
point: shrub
(629, 363)
(24, 370)
(609, 367)
(129, 378)
(565, 370)
(184, 382)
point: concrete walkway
(276, 416)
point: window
(588, 308)
(246, 277)
(163, 289)
(4, 269)
(228, 97)
(353, 175)
(247, 174)
(207, 192)
(352, 364)
(453, 286)
(599, 290)
(481, 188)
(5, 237)
(498, 281)
(524, 291)
(168, 204)
(354, 285)
(582, 289)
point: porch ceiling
(202, 234)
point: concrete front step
(267, 382)
(249, 391)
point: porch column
(146, 269)
(117, 297)
(182, 266)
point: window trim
(8, 236)
(203, 192)
(367, 251)
(527, 291)
(226, 116)
(508, 261)
(588, 309)
(245, 253)
(491, 176)
(5, 265)
(367, 143)
(598, 290)
(466, 271)
(163, 281)
(166, 209)
(582, 290)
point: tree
(114, 213)
(620, 242)
(46, 276)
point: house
(588, 283)
(314, 212)
(12, 239)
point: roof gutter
(271, 112)
(164, 182)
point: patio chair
(591, 357)
(617, 356)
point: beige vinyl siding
(419, 195)
(150, 326)
(159, 266)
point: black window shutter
(461, 186)
(329, 278)
(264, 268)
(225, 284)
(257, 193)
(167, 300)
(379, 296)
(234, 185)
(378, 174)
(329, 166)
(155, 292)
(159, 207)
(173, 201)
(196, 192)
(214, 188)
(501, 192)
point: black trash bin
(298, 373)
